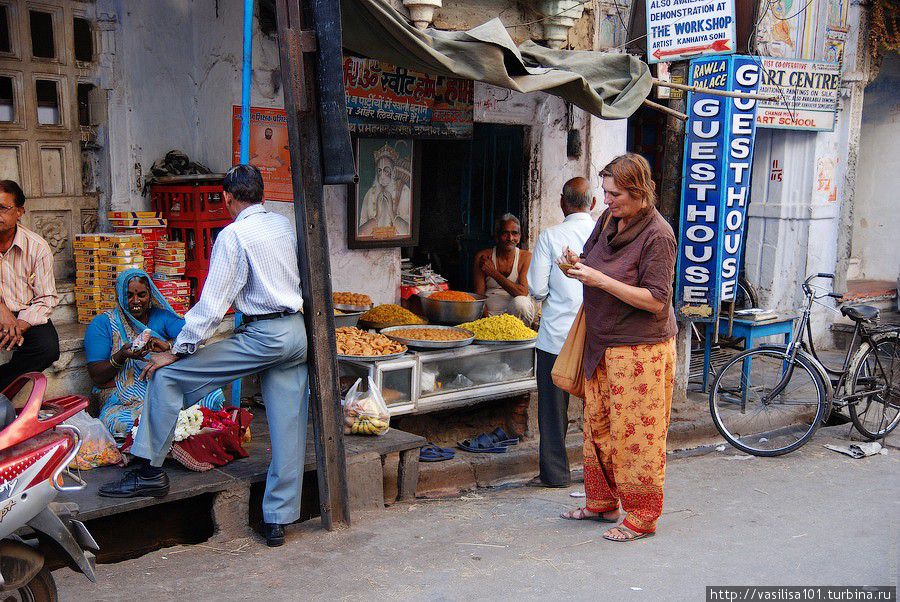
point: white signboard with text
(683, 29)
(807, 93)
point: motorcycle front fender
(19, 564)
(49, 524)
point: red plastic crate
(202, 201)
(198, 238)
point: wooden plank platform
(186, 483)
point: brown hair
(632, 172)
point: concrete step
(842, 330)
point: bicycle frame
(835, 378)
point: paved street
(814, 517)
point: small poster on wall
(383, 207)
(269, 149)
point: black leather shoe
(134, 485)
(274, 534)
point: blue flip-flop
(482, 444)
(432, 453)
(499, 437)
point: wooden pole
(702, 90)
(296, 48)
(665, 109)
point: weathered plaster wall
(876, 219)
(173, 82)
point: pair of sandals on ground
(618, 533)
(495, 442)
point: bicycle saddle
(861, 313)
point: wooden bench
(240, 474)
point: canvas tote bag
(568, 370)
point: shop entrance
(466, 186)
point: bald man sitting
(561, 297)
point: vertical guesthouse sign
(718, 155)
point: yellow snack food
(500, 328)
(391, 314)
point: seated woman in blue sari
(114, 366)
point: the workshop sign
(806, 92)
(385, 100)
(682, 29)
(718, 155)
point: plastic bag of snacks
(365, 412)
(97, 446)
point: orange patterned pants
(626, 418)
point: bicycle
(770, 400)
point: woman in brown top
(627, 270)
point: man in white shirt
(561, 298)
(254, 267)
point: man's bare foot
(584, 514)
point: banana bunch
(364, 425)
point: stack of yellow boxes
(149, 225)
(99, 259)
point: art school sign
(718, 155)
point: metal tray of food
(504, 341)
(430, 344)
(371, 358)
(379, 326)
(346, 319)
(352, 308)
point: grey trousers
(276, 349)
(553, 422)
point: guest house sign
(718, 155)
(384, 100)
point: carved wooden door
(47, 65)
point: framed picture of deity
(383, 207)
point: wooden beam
(701, 90)
(298, 62)
(665, 109)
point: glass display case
(475, 372)
(397, 379)
(431, 380)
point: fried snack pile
(451, 296)
(353, 341)
(429, 334)
(357, 299)
(500, 328)
(391, 314)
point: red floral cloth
(219, 441)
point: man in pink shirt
(27, 291)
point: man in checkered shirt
(254, 268)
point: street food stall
(450, 358)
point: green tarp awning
(610, 86)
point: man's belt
(278, 314)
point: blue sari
(123, 405)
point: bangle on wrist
(112, 360)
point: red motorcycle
(35, 450)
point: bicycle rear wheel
(754, 421)
(877, 368)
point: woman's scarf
(127, 324)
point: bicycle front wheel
(876, 370)
(752, 418)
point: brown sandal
(582, 514)
(631, 535)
